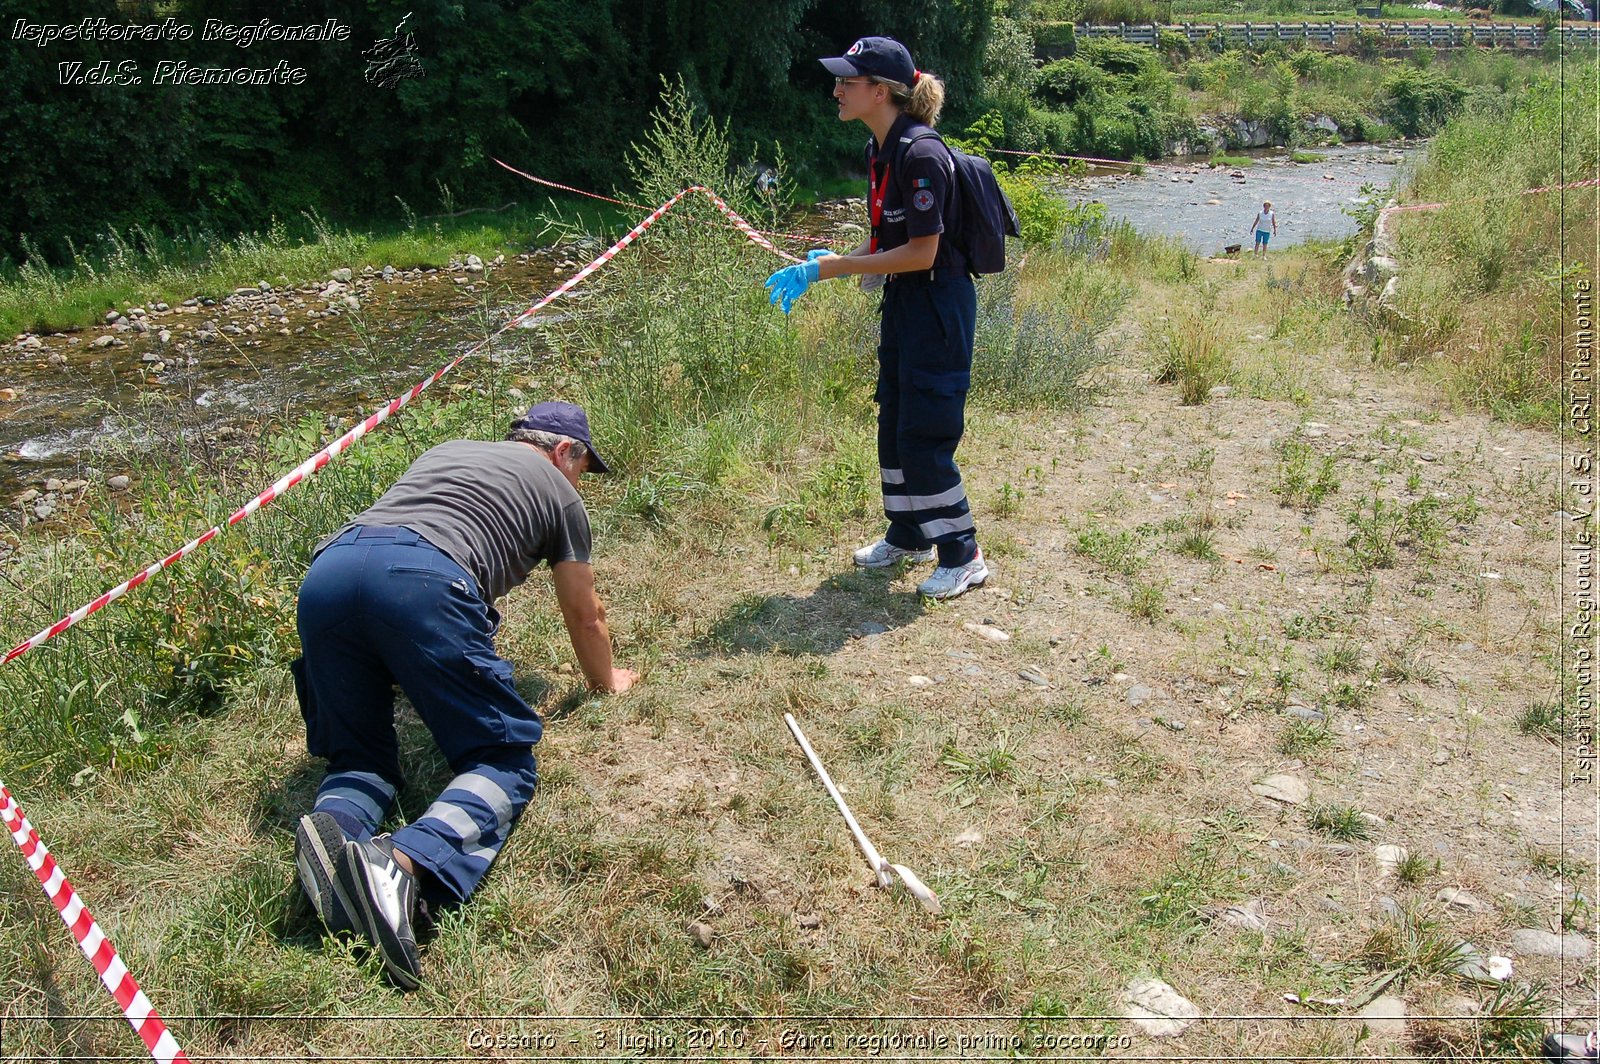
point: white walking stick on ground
(880, 867)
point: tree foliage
(557, 87)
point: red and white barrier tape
(1591, 183)
(315, 463)
(802, 237)
(136, 1008)
(95, 945)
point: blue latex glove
(817, 253)
(791, 282)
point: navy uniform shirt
(920, 199)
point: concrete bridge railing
(1330, 34)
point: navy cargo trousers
(380, 607)
(924, 372)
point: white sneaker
(882, 554)
(950, 582)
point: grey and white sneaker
(950, 581)
(386, 905)
(318, 841)
(882, 554)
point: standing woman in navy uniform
(929, 312)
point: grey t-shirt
(498, 509)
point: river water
(1210, 208)
(60, 394)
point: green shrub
(1067, 81)
(1117, 57)
(1044, 346)
(1417, 102)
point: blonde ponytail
(923, 101)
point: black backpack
(987, 216)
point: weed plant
(1116, 551)
(1302, 738)
(1380, 527)
(1414, 945)
(1542, 719)
(1191, 353)
(1343, 822)
(1305, 479)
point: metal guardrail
(1329, 34)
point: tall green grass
(107, 694)
(1483, 278)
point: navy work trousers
(380, 607)
(924, 372)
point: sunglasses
(852, 81)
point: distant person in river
(403, 595)
(1265, 226)
(929, 312)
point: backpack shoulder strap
(911, 136)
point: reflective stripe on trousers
(924, 373)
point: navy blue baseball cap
(875, 57)
(563, 419)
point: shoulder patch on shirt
(922, 199)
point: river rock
(1035, 677)
(1251, 134)
(474, 264)
(30, 343)
(28, 496)
(1251, 916)
(342, 275)
(1390, 858)
(919, 681)
(57, 359)
(352, 302)
(1385, 1016)
(105, 341)
(986, 631)
(44, 507)
(1457, 898)
(1282, 787)
(1139, 693)
(1537, 942)
(702, 934)
(1157, 1009)
(112, 317)
(119, 482)
(164, 336)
